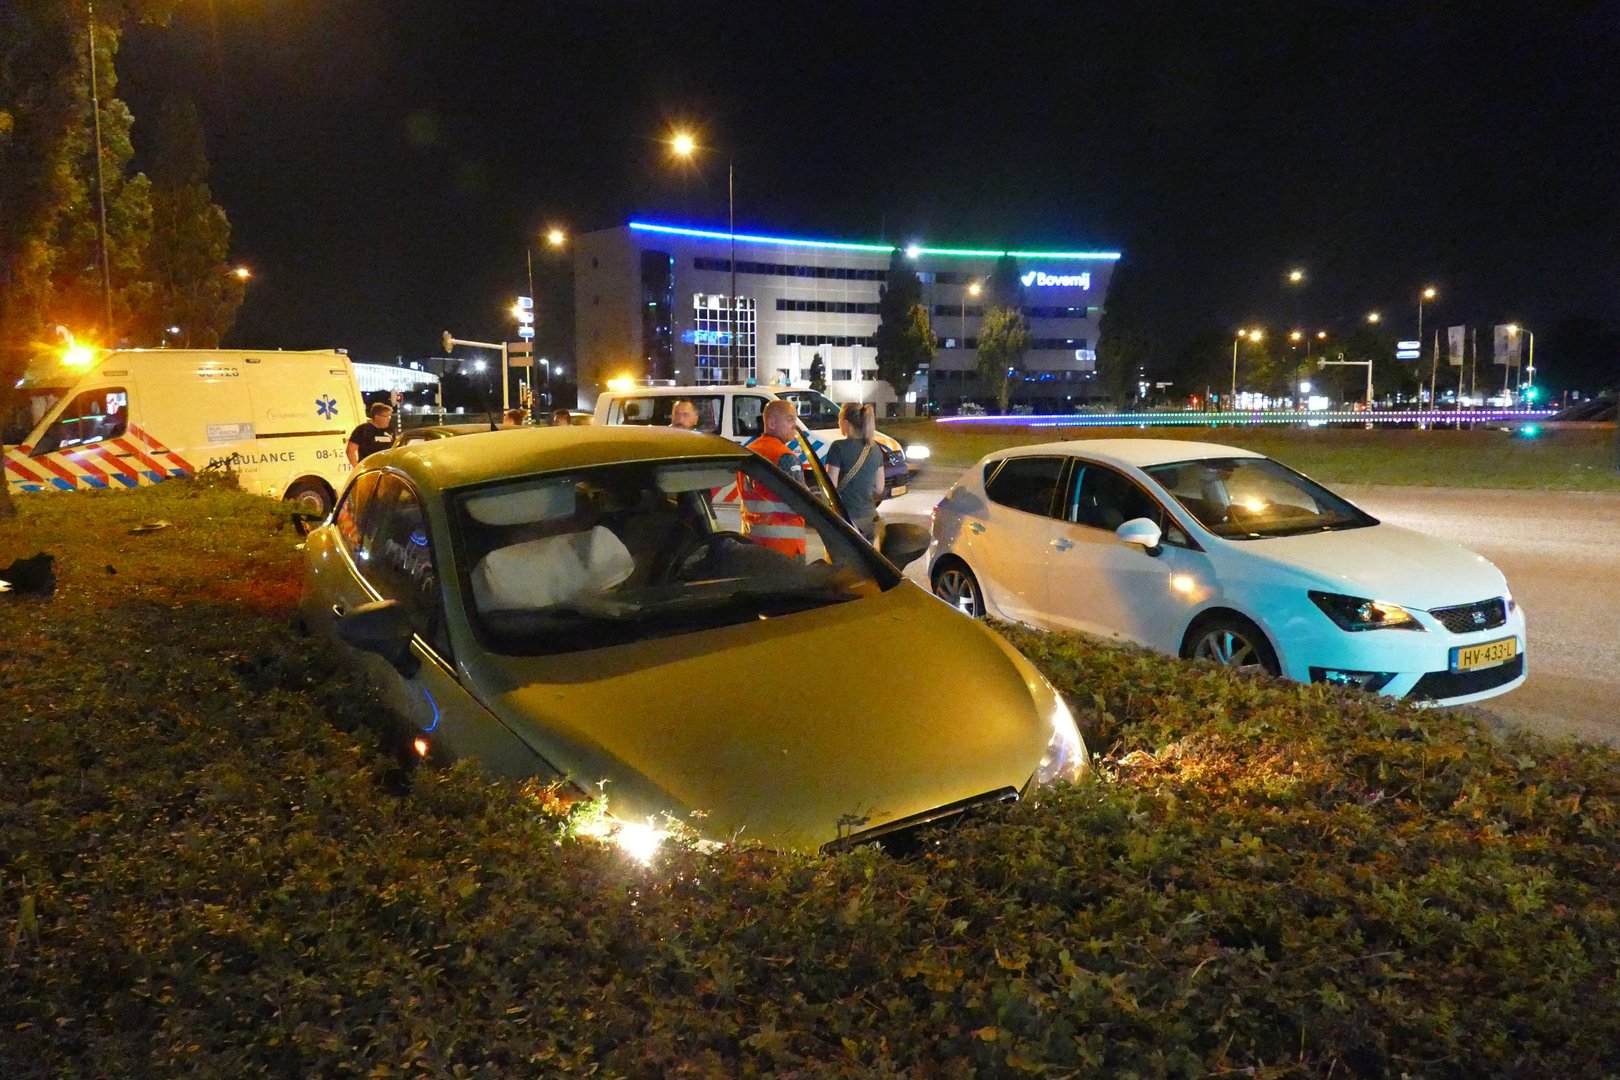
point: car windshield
(1246, 498)
(815, 409)
(614, 554)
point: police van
(738, 412)
(277, 420)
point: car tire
(1231, 641)
(310, 497)
(955, 584)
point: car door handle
(975, 526)
(1063, 544)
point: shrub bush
(201, 872)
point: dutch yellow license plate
(1491, 653)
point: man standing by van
(373, 435)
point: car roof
(1135, 453)
(441, 464)
(698, 391)
(441, 430)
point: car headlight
(917, 452)
(1356, 613)
(1065, 755)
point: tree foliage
(192, 288)
(905, 339)
(1003, 339)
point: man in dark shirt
(373, 435)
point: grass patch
(202, 871)
(1558, 459)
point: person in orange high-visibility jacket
(766, 519)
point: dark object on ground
(150, 526)
(35, 575)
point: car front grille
(1467, 618)
(1440, 685)
(903, 834)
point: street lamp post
(685, 146)
(1530, 371)
(973, 291)
(1252, 335)
(450, 344)
(1434, 368)
(101, 193)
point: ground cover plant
(207, 869)
(1565, 459)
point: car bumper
(1419, 665)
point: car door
(1005, 543)
(1101, 585)
(391, 556)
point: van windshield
(614, 554)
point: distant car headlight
(917, 452)
(1356, 613)
(1065, 756)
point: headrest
(552, 570)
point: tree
(1003, 339)
(818, 374)
(49, 251)
(905, 340)
(1123, 348)
(193, 288)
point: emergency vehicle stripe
(139, 455)
(15, 464)
(145, 438)
(119, 471)
(92, 475)
(184, 469)
(64, 479)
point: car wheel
(310, 498)
(1232, 641)
(955, 584)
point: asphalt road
(1561, 554)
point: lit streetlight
(1373, 317)
(973, 289)
(1434, 368)
(1253, 335)
(1296, 277)
(556, 237)
(241, 273)
(685, 146)
(1530, 371)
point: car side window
(747, 415)
(636, 410)
(1105, 499)
(91, 417)
(1029, 484)
(400, 566)
(356, 516)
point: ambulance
(278, 421)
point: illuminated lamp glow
(78, 356)
(1183, 583)
(620, 384)
(420, 745)
(840, 245)
(639, 841)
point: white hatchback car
(1201, 550)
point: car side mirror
(1143, 533)
(902, 543)
(381, 627)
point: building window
(841, 374)
(850, 273)
(724, 339)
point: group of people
(854, 464)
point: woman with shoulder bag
(855, 466)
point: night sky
(384, 164)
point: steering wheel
(693, 556)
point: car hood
(1383, 562)
(790, 731)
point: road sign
(520, 348)
(526, 303)
(1407, 354)
(526, 332)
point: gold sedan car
(569, 604)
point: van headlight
(1065, 757)
(917, 452)
(1356, 613)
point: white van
(278, 420)
(737, 412)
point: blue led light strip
(1232, 419)
(839, 245)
